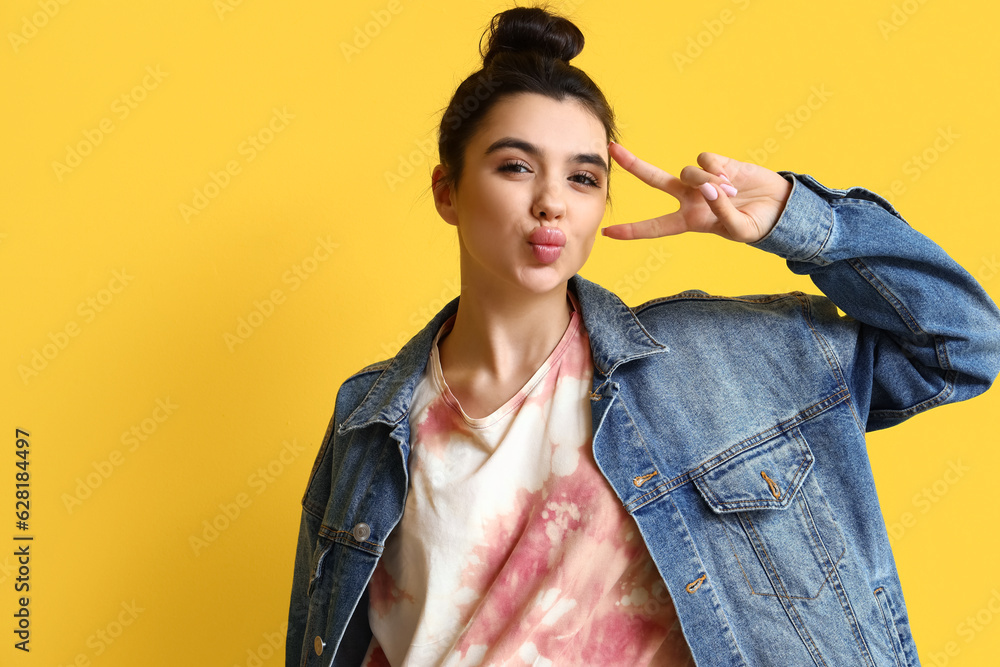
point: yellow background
(350, 166)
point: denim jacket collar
(616, 336)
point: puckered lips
(547, 243)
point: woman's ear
(443, 195)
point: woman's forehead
(554, 126)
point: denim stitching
(943, 359)
(780, 428)
(769, 567)
(868, 199)
(327, 440)
(649, 497)
(726, 528)
(811, 523)
(693, 587)
(363, 401)
(825, 349)
(817, 543)
(748, 443)
(852, 619)
(804, 633)
(771, 484)
(743, 505)
(642, 479)
(834, 576)
(941, 351)
(942, 354)
(652, 494)
(829, 219)
(939, 398)
(376, 366)
(351, 542)
(789, 607)
(831, 357)
(313, 510)
(753, 591)
(693, 296)
(886, 293)
(318, 572)
(887, 623)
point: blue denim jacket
(732, 430)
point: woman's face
(531, 195)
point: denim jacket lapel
(616, 336)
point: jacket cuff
(804, 225)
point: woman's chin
(544, 278)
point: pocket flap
(764, 476)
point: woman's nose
(549, 204)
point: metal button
(361, 532)
(318, 645)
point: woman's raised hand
(740, 201)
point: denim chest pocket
(778, 525)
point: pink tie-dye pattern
(574, 364)
(376, 657)
(383, 592)
(441, 424)
(564, 577)
(575, 534)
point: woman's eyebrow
(532, 149)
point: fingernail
(728, 189)
(709, 191)
(724, 177)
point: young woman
(546, 476)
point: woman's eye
(514, 167)
(518, 167)
(586, 179)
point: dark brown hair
(528, 50)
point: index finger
(646, 172)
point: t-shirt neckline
(440, 384)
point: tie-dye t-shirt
(513, 549)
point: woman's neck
(501, 337)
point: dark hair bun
(532, 29)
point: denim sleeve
(919, 332)
(298, 609)
(306, 548)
